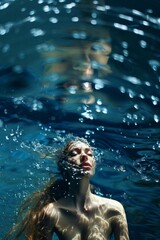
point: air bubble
(81, 120)
(4, 6)
(100, 128)
(36, 32)
(143, 44)
(156, 118)
(75, 19)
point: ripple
(86, 69)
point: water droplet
(147, 83)
(104, 110)
(79, 35)
(53, 20)
(75, 19)
(124, 44)
(99, 102)
(81, 120)
(93, 21)
(5, 5)
(154, 64)
(138, 31)
(136, 106)
(156, 118)
(143, 44)
(120, 26)
(36, 32)
(100, 128)
(118, 57)
(46, 8)
(122, 89)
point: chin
(89, 173)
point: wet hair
(62, 154)
(30, 212)
(63, 151)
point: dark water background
(46, 93)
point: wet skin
(81, 215)
(81, 160)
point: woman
(67, 206)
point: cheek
(72, 160)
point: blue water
(48, 91)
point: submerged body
(96, 222)
(68, 208)
(81, 215)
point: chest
(78, 226)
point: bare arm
(120, 226)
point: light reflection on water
(87, 69)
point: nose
(84, 65)
(87, 68)
(84, 157)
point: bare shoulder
(111, 205)
(115, 204)
(114, 213)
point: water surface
(86, 68)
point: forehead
(78, 144)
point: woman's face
(81, 160)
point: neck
(80, 193)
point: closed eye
(72, 154)
(89, 153)
(98, 48)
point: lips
(86, 166)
